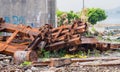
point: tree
(59, 13)
(72, 16)
(66, 17)
(95, 15)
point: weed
(26, 63)
(96, 53)
(88, 53)
(45, 54)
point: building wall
(30, 12)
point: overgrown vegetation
(64, 54)
(66, 17)
(94, 15)
(53, 54)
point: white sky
(76, 5)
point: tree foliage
(66, 17)
(72, 16)
(59, 13)
(95, 15)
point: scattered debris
(50, 38)
(24, 42)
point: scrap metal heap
(25, 41)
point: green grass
(63, 54)
(26, 63)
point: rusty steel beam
(21, 28)
(114, 46)
(62, 44)
(98, 45)
(106, 46)
(12, 37)
(78, 30)
(94, 59)
(58, 62)
(54, 62)
(31, 32)
(62, 38)
(15, 40)
(76, 24)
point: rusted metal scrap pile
(23, 42)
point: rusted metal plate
(12, 37)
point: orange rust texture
(55, 38)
